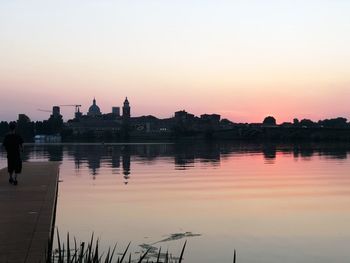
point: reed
(72, 252)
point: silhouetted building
(183, 115)
(22, 118)
(150, 124)
(94, 110)
(56, 112)
(226, 124)
(126, 109)
(213, 118)
(78, 114)
(116, 111)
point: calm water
(271, 203)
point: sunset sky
(242, 59)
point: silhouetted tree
(55, 124)
(306, 123)
(4, 128)
(26, 130)
(42, 127)
(334, 123)
(271, 121)
(296, 122)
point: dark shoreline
(239, 134)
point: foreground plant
(90, 253)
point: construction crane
(77, 106)
(44, 110)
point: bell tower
(126, 108)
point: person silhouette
(13, 144)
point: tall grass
(72, 252)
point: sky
(242, 59)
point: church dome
(94, 109)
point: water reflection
(126, 163)
(55, 153)
(223, 191)
(269, 152)
(184, 156)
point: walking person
(13, 144)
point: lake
(272, 203)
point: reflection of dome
(94, 110)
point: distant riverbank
(239, 133)
(242, 133)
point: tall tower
(56, 112)
(78, 114)
(126, 108)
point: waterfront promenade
(27, 212)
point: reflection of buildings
(185, 156)
(25, 155)
(119, 156)
(78, 157)
(269, 152)
(126, 163)
(183, 161)
(115, 158)
(94, 163)
(55, 153)
(211, 153)
(97, 156)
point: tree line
(28, 129)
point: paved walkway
(27, 212)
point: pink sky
(243, 61)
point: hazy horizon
(241, 59)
